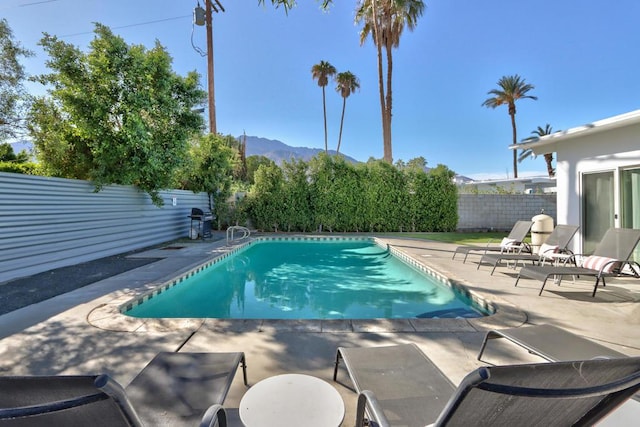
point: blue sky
(581, 56)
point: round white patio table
(292, 400)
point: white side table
(292, 400)
(559, 259)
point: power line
(130, 25)
(37, 2)
(27, 4)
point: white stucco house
(523, 185)
(597, 176)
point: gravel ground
(25, 291)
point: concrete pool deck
(79, 333)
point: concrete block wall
(498, 212)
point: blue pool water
(306, 279)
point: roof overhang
(549, 143)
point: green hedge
(27, 168)
(329, 194)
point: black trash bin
(201, 223)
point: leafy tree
(385, 20)
(511, 89)
(347, 83)
(8, 155)
(240, 172)
(321, 72)
(115, 115)
(15, 163)
(210, 170)
(548, 157)
(253, 163)
(417, 163)
(212, 162)
(13, 97)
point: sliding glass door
(597, 207)
(630, 201)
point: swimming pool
(307, 278)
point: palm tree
(385, 20)
(288, 4)
(321, 72)
(512, 88)
(548, 157)
(347, 83)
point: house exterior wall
(46, 223)
(612, 150)
(512, 186)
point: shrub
(27, 168)
(330, 194)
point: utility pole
(212, 97)
(209, 9)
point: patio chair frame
(517, 234)
(617, 244)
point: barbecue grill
(200, 223)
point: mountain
(278, 151)
(273, 149)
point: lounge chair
(183, 385)
(558, 345)
(514, 242)
(556, 243)
(174, 389)
(610, 259)
(400, 386)
(551, 343)
(80, 400)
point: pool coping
(109, 316)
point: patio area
(80, 333)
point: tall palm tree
(347, 83)
(548, 157)
(288, 4)
(321, 72)
(385, 20)
(511, 89)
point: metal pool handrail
(240, 229)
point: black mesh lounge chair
(558, 345)
(610, 259)
(391, 393)
(70, 401)
(551, 343)
(557, 242)
(174, 389)
(183, 385)
(514, 242)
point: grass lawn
(454, 237)
(480, 238)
